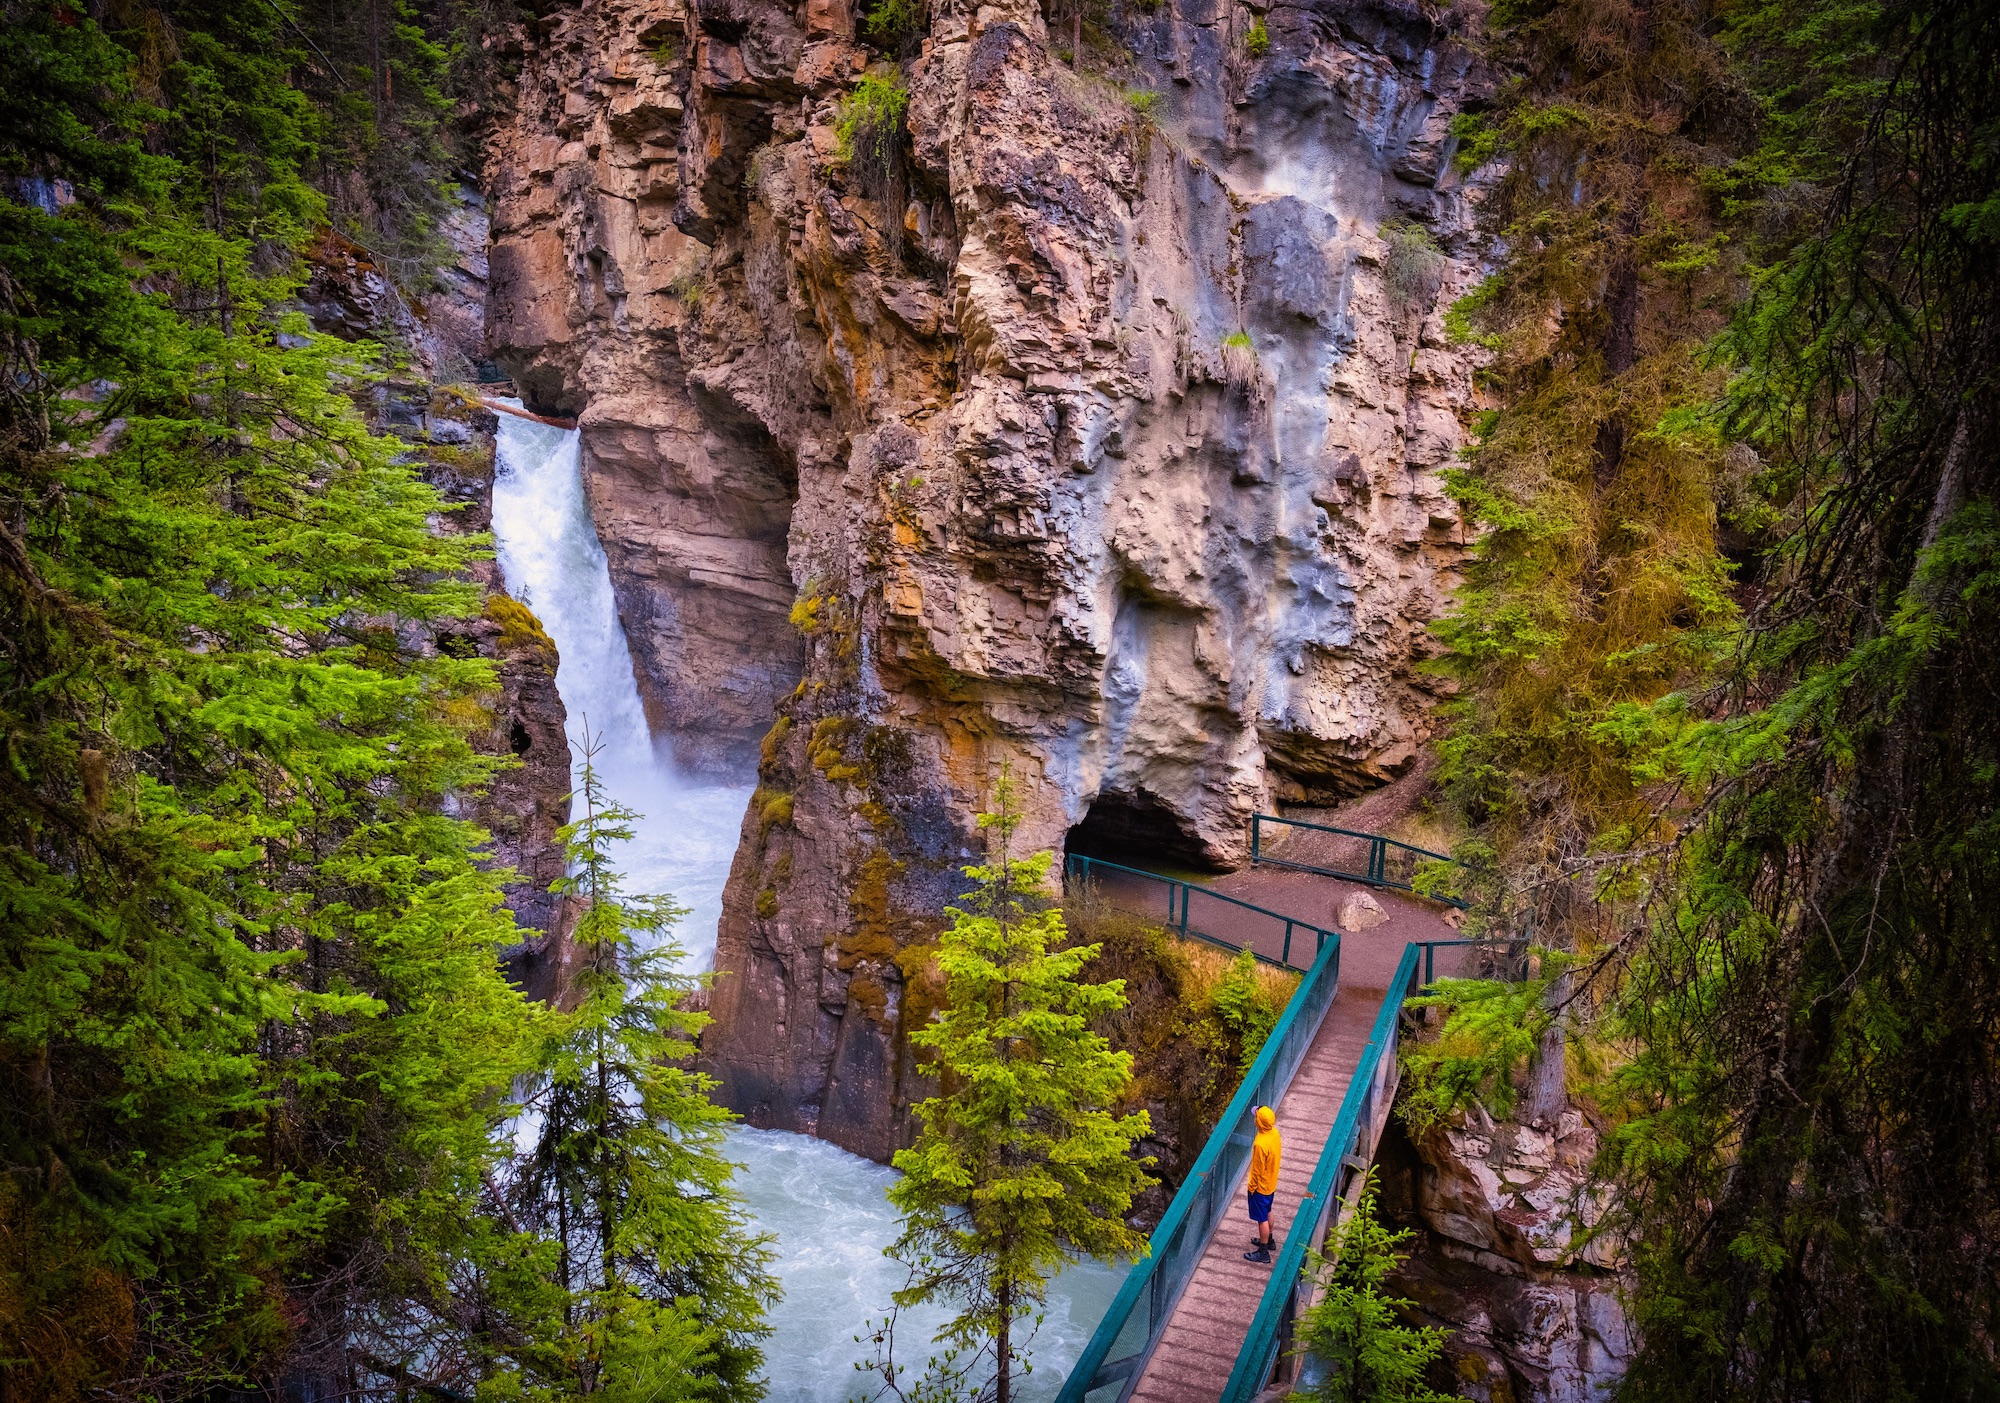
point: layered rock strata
(1510, 1257)
(1090, 425)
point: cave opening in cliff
(1138, 830)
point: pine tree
(1351, 1331)
(662, 1282)
(1022, 1163)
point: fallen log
(550, 420)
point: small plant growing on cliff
(1239, 359)
(1021, 1166)
(868, 137)
(868, 124)
(1145, 102)
(895, 26)
(1412, 270)
(1257, 40)
(1352, 1330)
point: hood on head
(1266, 1117)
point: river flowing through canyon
(827, 1209)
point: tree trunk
(1548, 1082)
(1002, 1343)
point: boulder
(1359, 911)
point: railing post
(1256, 833)
(1187, 894)
(1288, 944)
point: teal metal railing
(1388, 863)
(1117, 1352)
(1348, 1152)
(1182, 898)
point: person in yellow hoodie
(1265, 1151)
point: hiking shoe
(1259, 1256)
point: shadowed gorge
(700, 699)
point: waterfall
(827, 1209)
(551, 561)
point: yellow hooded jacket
(1264, 1153)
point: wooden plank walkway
(1191, 1363)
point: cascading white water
(551, 561)
(827, 1208)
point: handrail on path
(1145, 1302)
(1181, 895)
(1348, 1153)
(1379, 846)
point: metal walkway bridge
(1194, 1322)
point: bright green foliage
(868, 125)
(1144, 102)
(1257, 39)
(1352, 1333)
(1245, 1010)
(254, 1044)
(1490, 1031)
(897, 25)
(868, 132)
(1022, 1163)
(663, 1283)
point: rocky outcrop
(439, 330)
(1094, 428)
(1507, 1257)
(521, 718)
(593, 287)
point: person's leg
(1260, 1214)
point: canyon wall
(1092, 427)
(1508, 1256)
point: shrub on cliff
(868, 137)
(1350, 1337)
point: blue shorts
(1260, 1208)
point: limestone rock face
(593, 289)
(1100, 443)
(1507, 1259)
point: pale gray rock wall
(1053, 517)
(1509, 1256)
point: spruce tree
(254, 1042)
(662, 1283)
(1023, 1163)
(1350, 1336)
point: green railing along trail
(1389, 863)
(1124, 1339)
